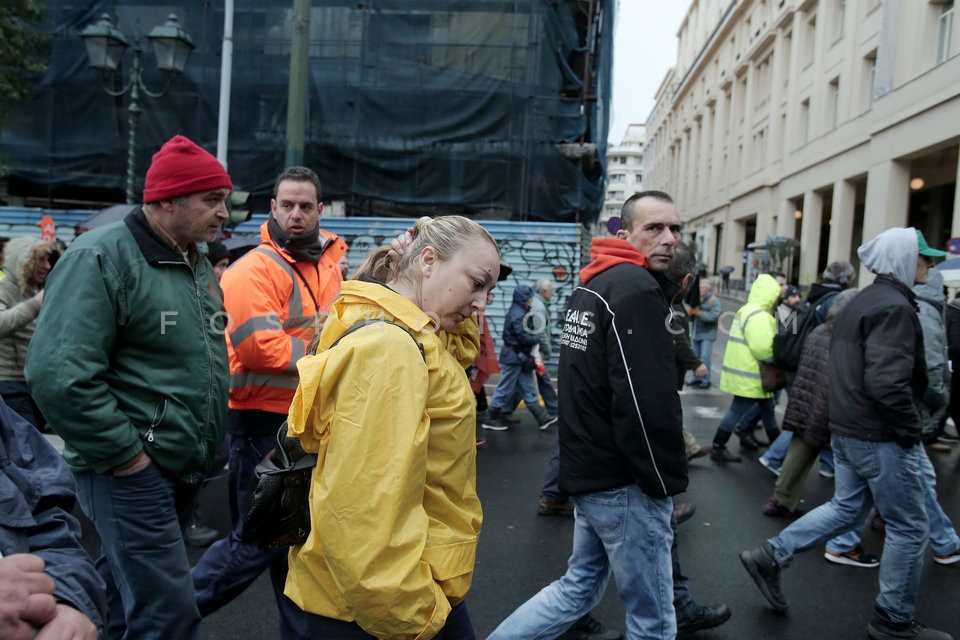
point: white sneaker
(772, 469)
(549, 421)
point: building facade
(624, 174)
(821, 122)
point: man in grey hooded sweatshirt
(877, 370)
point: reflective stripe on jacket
(273, 314)
(750, 340)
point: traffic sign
(953, 245)
(613, 225)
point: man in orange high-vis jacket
(276, 296)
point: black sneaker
(856, 557)
(197, 534)
(748, 442)
(720, 454)
(495, 424)
(765, 572)
(549, 422)
(547, 508)
(493, 419)
(705, 618)
(883, 628)
(589, 628)
(683, 511)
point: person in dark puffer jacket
(806, 415)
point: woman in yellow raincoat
(394, 510)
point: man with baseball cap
(129, 365)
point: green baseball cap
(924, 248)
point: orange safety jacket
(273, 313)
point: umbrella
(106, 216)
(241, 240)
(950, 270)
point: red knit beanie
(181, 168)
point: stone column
(841, 229)
(810, 237)
(888, 199)
(785, 220)
(955, 227)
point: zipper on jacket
(158, 414)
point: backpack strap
(369, 321)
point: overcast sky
(645, 46)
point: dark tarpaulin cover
(415, 106)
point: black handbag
(772, 377)
(279, 513)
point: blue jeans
(514, 381)
(231, 565)
(144, 561)
(943, 536)
(621, 530)
(704, 351)
(740, 406)
(891, 474)
(458, 627)
(545, 387)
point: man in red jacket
(276, 297)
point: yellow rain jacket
(393, 504)
(750, 340)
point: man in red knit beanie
(140, 397)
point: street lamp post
(105, 50)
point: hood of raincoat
(764, 292)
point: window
(785, 58)
(870, 78)
(804, 121)
(839, 12)
(809, 46)
(833, 102)
(944, 28)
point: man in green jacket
(129, 365)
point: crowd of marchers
(382, 377)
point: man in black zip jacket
(621, 444)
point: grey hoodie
(931, 300)
(893, 252)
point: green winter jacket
(751, 340)
(129, 353)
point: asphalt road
(520, 551)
